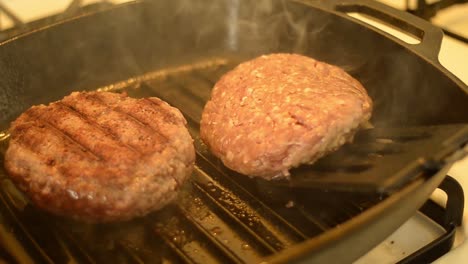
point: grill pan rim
(310, 3)
(334, 8)
(65, 21)
(323, 247)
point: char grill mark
(109, 131)
(122, 112)
(35, 118)
(157, 108)
(147, 111)
(132, 113)
(135, 171)
(89, 134)
(161, 138)
(34, 138)
(121, 124)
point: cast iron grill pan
(333, 211)
(222, 216)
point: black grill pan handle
(429, 35)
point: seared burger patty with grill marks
(278, 111)
(100, 156)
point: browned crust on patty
(100, 156)
(278, 111)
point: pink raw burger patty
(278, 111)
(100, 156)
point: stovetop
(416, 232)
(419, 231)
